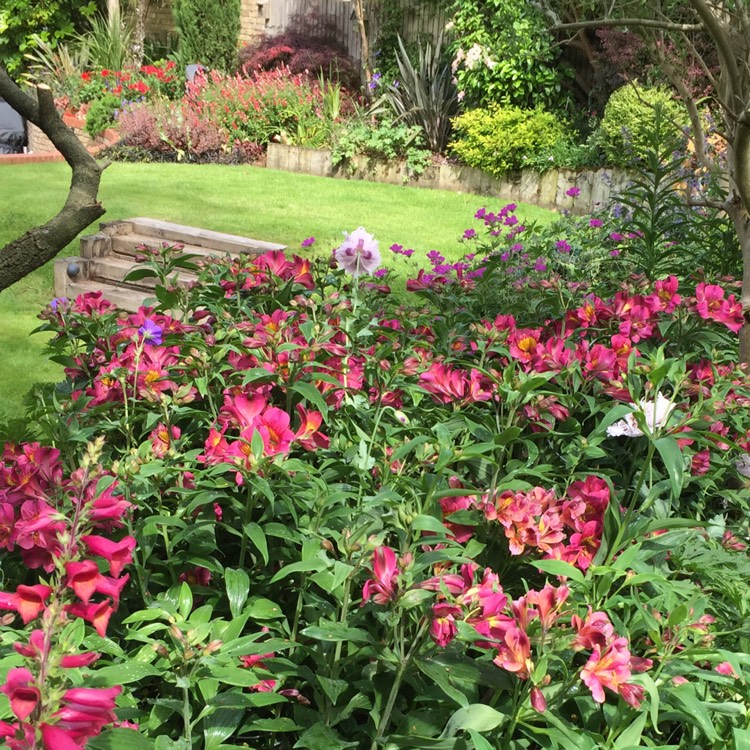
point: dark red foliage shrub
(314, 51)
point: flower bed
(286, 508)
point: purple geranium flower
(151, 332)
(595, 223)
(469, 234)
(573, 192)
(308, 242)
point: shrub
(102, 113)
(504, 53)
(171, 127)
(237, 114)
(424, 94)
(499, 139)
(209, 31)
(301, 53)
(628, 117)
(385, 141)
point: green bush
(209, 31)
(502, 139)
(101, 115)
(385, 141)
(503, 52)
(628, 120)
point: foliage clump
(209, 32)
(628, 120)
(504, 53)
(499, 139)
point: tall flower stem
(385, 719)
(633, 501)
(249, 506)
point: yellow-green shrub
(629, 119)
(502, 139)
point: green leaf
(303, 566)
(693, 709)
(262, 609)
(321, 737)
(255, 534)
(332, 688)
(741, 739)
(121, 674)
(237, 583)
(333, 631)
(271, 725)
(442, 677)
(311, 394)
(185, 602)
(671, 455)
(428, 523)
(631, 737)
(120, 739)
(559, 568)
(220, 725)
(475, 716)
(479, 742)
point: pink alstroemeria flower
(383, 588)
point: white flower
(742, 464)
(358, 253)
(656, 414)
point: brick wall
(159, 24)
(40, 144)
(253, 20)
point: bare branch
(646, 23)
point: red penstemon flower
(64, 719)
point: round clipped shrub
(503, 139)
(628, 121)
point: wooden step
(166, 231)
(123, 297)
(126, 245)
(114, 269)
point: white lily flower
(656, 414)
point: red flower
(117, 554)
(22, 694)
(28, 601)
(384, 587)
(83, 578)
(97, 614)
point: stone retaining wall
(549, 190)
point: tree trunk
(41, 244)
(139, 34)
(739, 180)
(360, 13)
(113, 10)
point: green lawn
(264, 204)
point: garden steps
(108, 256)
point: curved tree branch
(647, 23)
(40, 244)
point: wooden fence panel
(420, 21)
